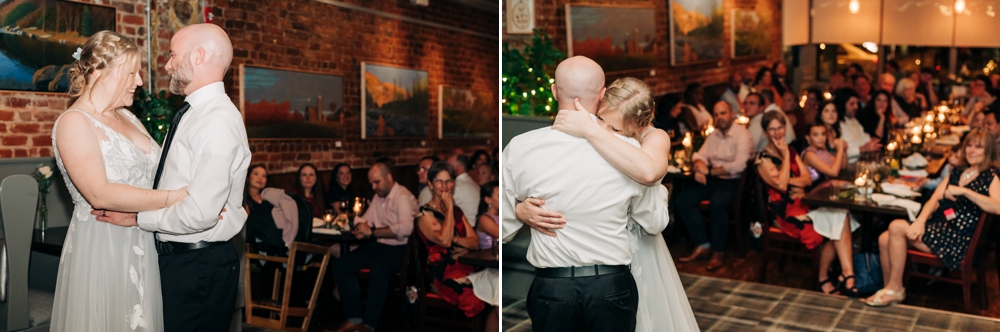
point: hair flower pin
(76, 55)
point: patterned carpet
(732, 305)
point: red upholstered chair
(432, 308)
(966, 271)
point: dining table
(825, 195)
(344, 238)
(483, 258)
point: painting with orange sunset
(394, 102)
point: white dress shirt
(210, 155)
(425, 196)
(467, 196)
(593, 196)
(729, 150)
(852, 132)
(396, 211)
(757, 132)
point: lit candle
(942, 117)
(327, 217)
(861, 181)
(802, 102)
(916, 130)
(687, 141)
(743, 120)
(928, 128)
(916, 140)
(891, 147)
(357, 207)
(929, 118)
(709, 130)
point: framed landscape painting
(465, 113)
(38, 39)
(395, 102)
(696, 31)
(617, 38)
(279, 103)
(751, 33)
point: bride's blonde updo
(632, 99)
(98, 53)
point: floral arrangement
(43, 175)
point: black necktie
(166, 142)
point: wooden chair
(432, 308)
(279, 312)
(21, 309)
(773, 240)
(735, 209)
(967, 270)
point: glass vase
(43, 212)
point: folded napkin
(900, 190)
(915, 160)
(948, 140)
(960, 129)
(673, 169)
(317, 222)
(920, 173)
(330, 231)
(912, 208)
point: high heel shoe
(876, 300)
(842, 286)
(824, 282)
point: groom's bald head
(579, 77)
(200, 55)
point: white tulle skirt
(663, 304)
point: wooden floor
(733, 305)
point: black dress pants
(602, 303)
(199, 289)
(383, 261)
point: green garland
(528, 76)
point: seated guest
(887, 83)
(925, 86)
(764, 81)
(991, 123)
(907, 105)
(759, 139)
(446, 234)
(851, 131)
(836, 81)
(811, 110)
(480, 157)
(489, 214)
(389, 220)
(779, 70)
(875, 117)
(862, 87)
(780, 167)
(794, 113)
(830, 118)
(466, 189)
(823, 164)
(425, 190)
(272, 215)
(341, 189)
(673, 117)
(718, 166)
(309, 188)
(976, 121)
(484, 174)
(694, 95)
(948, 219)
(979, 95)
(730, 95)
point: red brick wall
(550, 16)
(318, 37)
(313, 36)
(26, 118)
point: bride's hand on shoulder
(576, 123)
(531, 213)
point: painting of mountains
(394, 102)
(751, 33)
(465, 113)
(617, 38)
(696, 32)
(38, 39)
(291, 104)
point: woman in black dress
(948, 219)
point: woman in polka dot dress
(948, 219)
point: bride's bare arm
(646, 165)
(80, 150)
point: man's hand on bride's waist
(531, 213)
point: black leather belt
(580, 271)
(167, 247)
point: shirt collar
(204, 94)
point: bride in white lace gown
(627, 110)
(108, 275)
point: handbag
(867, 273)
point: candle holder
(328, 218)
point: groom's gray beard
(181, 78)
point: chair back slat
(18, 202)
(974, 242)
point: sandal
(842, 286)
(819, 287)
(876, 300)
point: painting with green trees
(751, 33)
(696, 31)
(38, 39)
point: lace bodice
(124, 161)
